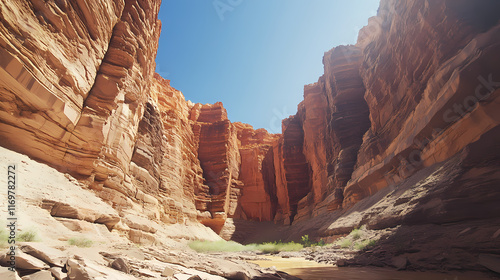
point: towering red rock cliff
(258, 198)
(67, 84)
(293, 182)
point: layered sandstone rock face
(74, 81)
(78, 92)
(293, 180)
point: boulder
(76, 271)
(58, 273)
(167, 272)
(25, 261)
(121, 265)
(45, 253)
(400, 262)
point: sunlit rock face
(74, 82)
(220, 160)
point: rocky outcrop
(74, 82)
(85, 113)
(292, 170)
(334, 117)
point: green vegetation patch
(231, 246)
(364, 244)
(357, 239)
(80, 242)
(28, 236)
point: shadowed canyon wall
(79, 92)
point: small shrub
(305, 241)
(80, 242)
(365, 244)
(28, 236)
(321, 243)
(355, 234)
(345, 243)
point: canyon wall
(413, 92)
(416, 87)
(79, 92)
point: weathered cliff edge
(402, 128)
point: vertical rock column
(258, 199)
(292, 170)
(348, 118)
(220, 160)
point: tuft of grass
(276, 247)
(231, 246)
(355, 234)
(28, 236)
(345, 243)
(365, 244)
(81, 242)
(216, 246)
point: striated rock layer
(421, 115)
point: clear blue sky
(255, 56)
